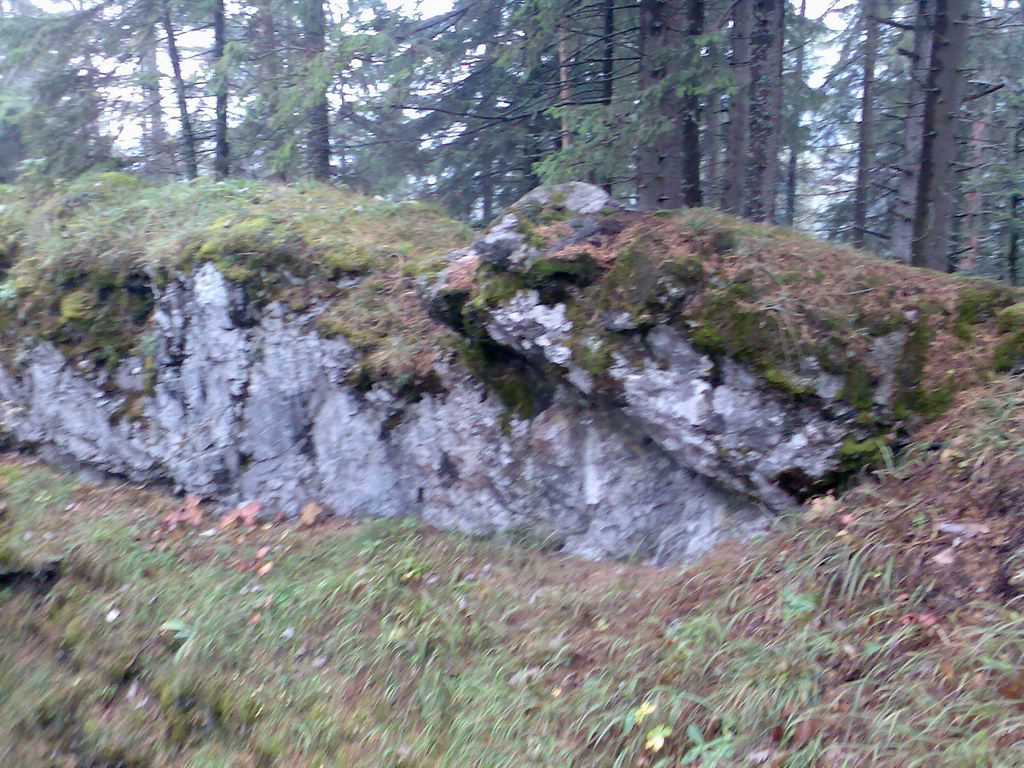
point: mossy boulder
(979, 302)
(1011, 318)
(85, 261)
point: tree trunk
(865, 131)
(794, 143)
(765, 107)
(608, 64)
(737, 144)
(691, 111)
(712, 139)
(564, 88)
(936, 184)
(971, 238)
(1016, 201)
(221, 151)
(319, 134)
(154, 138)
(659, 159)
(188, 139)
(269, 72)
(913, 134)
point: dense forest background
(895, 125)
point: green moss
(645, 284)
(687, 270)
(787, 382)
(580, 269)
(1010, 318)
(494, 288)
(523, 390)
(858, 387)
(979, 303)
(879, 323)
(593, 354)
(86, 259)
(724, 241)
(913, 394)
(77, 305)
(553, 213)
(855, 455)
(1009, 351)
(726, 326)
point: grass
(880, 629)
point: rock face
(668, 452)
(266, 412)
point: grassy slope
(883, 629)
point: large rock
(266, 412)
(632, 434)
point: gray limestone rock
(264, 412)
(241, 402)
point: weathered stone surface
(576, 197)
(235, 413)
(725, 424)
(657, 452)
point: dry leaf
(245, 514)
(963, 529)
(821, 507)
(262, 552)
(192, 513)
(310, 513)
(945, 557)
(805, 731)
(264, 569)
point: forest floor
(883, 628)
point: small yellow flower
(656, 738)
(643, 711)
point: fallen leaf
(264, 569)
(643, 711)
(261, 552)
(1013, 689)
(963, 529)
(656, 738)
(945, 557)
(805, 731)
(310, 513)
(244, 514)
(823, 506)
(192, 512)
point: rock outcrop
(611, 428)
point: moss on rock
(1010, 318)
(87, 258)
(1008, 354)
